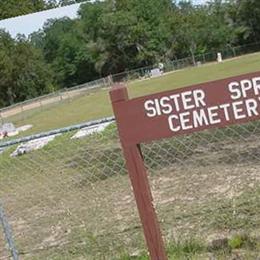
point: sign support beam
(140, 184)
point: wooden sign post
(167, 114)
(141, 187)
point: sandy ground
(204, 185)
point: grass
(192, 249)
(72, 199)
(97, 103)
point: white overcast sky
(33, 22)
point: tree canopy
(12, 8)
(113, 36)
(24, 73)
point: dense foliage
(113, 36)
(24, 73)
(12, 8)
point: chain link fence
(196, 60)
(7, 232)
(4, 253)
(69, 197)
(26, 109)
(207, 184)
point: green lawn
(96, 105)
(72, 199)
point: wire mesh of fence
(7, 232)
(71, 198)
(27, 108)
(196, 60)
(4, 252)
(206, 186)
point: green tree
(203, 28)
(127, 34)
(11, 8)
(69, 2)
(64, 48)
(245, 19)
(113, 36)
(23, 71)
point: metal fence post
(8, 234)
(1, 118)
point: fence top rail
(87, 85)
(29, 101)
(96, 83)
(57, 131)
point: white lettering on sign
(246, 103)
(174, 103)
(244, 87)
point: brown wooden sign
(183, 111)
(203, 106)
